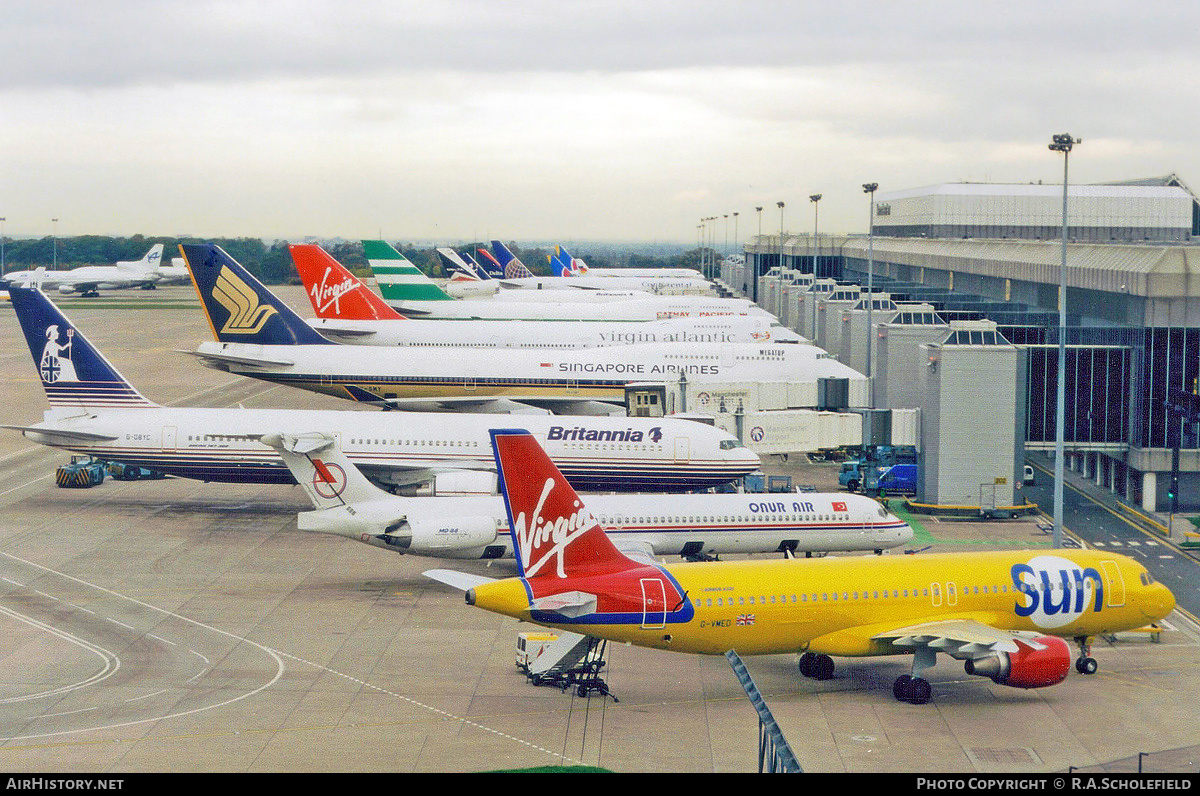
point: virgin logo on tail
(325, 294)
(541, 540)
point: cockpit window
(730, 444)
(1147, 579)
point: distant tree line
(271, 262)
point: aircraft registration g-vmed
(348, 312)
(88, 280)
(1005, 614)
(260, 336)
(474, 527)
(95, 410)
(407, 289)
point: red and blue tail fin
(513, 268)
(239, 308)
(554, 534)
(336, 293)
(72, 370)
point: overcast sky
(566, 120)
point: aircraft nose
(1161, 603)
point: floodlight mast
(1061, 143)
(870, 188)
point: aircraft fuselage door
(1114, 587)
(168, 438)
(654, 603)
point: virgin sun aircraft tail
(239, 308)
(397, 277)
(72, 371)
(334, 292)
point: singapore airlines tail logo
(246, 314)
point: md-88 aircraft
(695, 526)
(349, 312)
(95, 410)
(1004, 614)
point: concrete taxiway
(180, 626)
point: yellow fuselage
(837, 605)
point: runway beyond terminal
(179, 626)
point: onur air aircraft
(260, 336)
(95, 410)
(406, 288)
(349, 312)
(1005, 614)
(88, 280)
(563, 264)
(476, 527)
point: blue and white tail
(458, 267)
(239, 308)
(72, 371)
(513, 268)
(562, 263)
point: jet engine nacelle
(66, 290)
(1028, 667)
(450, 537)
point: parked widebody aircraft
(260, 336)
(415, 295)
(563, 264)
(1005, 614)
(349, 312)
(691, 525)
(658, 284)
(95, 410)
(88, 280)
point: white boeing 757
(95, 410)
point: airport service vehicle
(694, 526)
(94, 410)
(82, 472)
(897, 478)
(1005, 614)
(260, 336)
(405, 287)
(88, 280)
(349, 312)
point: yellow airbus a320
(1005, 614)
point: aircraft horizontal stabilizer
(571, 603)
(64, 434)
(218, 359)
(465, 403)
(458, 580)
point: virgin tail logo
(541, 541)
(246, 314)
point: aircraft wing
(482, 405)
(218, 359)
(64, 434)
(959, 638)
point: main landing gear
(912, 689)
(818, 667)
(1085, 663)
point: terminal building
(974, 252)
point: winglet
(240, 309)
(335, 292)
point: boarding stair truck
(568, 660)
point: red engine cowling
(1027, 667)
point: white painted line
(115, 622)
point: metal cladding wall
(982, 210)
(899, 361)
(967, 442)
